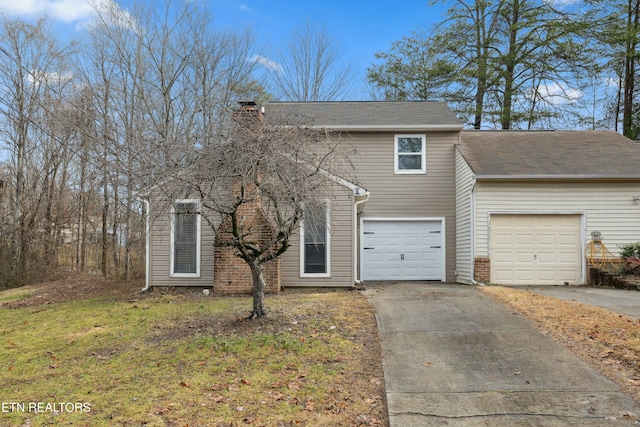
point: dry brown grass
(179, 358)
(607, 340)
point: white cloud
(562, 3)
(49, 78)
(115, 16)
(556, 94)
(62, 10)
(267, 63)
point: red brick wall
(232, 274)
(482, 270)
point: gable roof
(550, 154)
(366, 115)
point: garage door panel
(547, 275)
(522, 221)
(411, 240)
(566, 239)
(545, 239)
(546, 249)
(524, 239)
(524, 257)
(430, 256)
(568, 258)
(525, 275)
(412, 257)
(375, 240)
(503, 240)
(504, 276)
(402, 250)
(503, 257)
(547, 258)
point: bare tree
(31, 64)
(278, 170)
(312, 67)
(159, 77)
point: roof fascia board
(445, 127)
(553, 177)
(345, 183)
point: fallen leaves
(608, 340)
(313, 361)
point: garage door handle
(435, 247)
(367, 248)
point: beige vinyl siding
(341, 202)
(430, 195)
(160, 247)
(607, 207)
(464, 194)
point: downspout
(356, 279)
(472, 201)
(147, 247)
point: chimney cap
(248, 105)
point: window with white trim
(315, 242)
(410, 154)
(185, 238)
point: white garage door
(536, 249)
(402, 250)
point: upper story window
(185, 238)
(410, 154)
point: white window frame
(172, 272)
(327, 207)
(423, 154)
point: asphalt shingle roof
(595, 154)
(365, 114)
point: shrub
(631, 266)
(630, 250)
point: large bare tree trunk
(105, 213)
(257, 274)
(630, 68)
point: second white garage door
(402, 250)
(536, 249)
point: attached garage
(536, 249)
(527, 204)
(403, 249)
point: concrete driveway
(452, 356)
(621, 301)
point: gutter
(416, 127)
(384, 128)
(356, 279)
(554, 177)
(147, 247)
(472, 239)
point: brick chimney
(249, 113)
(231, 274)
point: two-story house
(432, 202)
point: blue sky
(362, 28)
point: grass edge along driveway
(190, 360)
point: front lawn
(185, 359)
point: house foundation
(482, 270)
